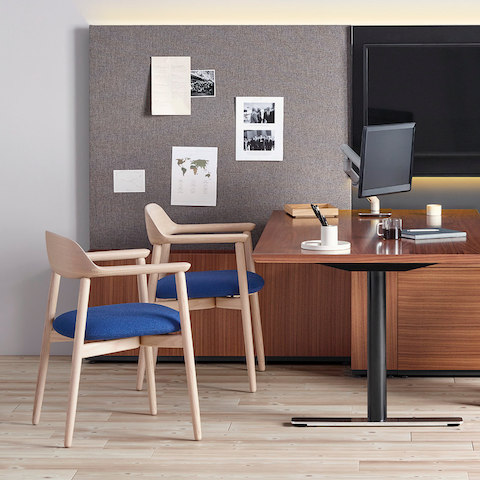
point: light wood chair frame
(164, 232)
(69, 260)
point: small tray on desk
(317, 245)
(304, 210)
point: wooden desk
(280, 243)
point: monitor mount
(352, 159)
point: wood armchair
(230, 289)
(113, 328)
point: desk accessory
(317, 245)
(434, 215)
(433, 209)
(304, 210)
(431, 233)
(329, 234)
(392, 228)
(319, 215)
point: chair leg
(257, 331)
(77, 357)
(246, 316)
(152, 390)
(188, 354)
(73, 397)
(248, 341)
(45, 352)
(192, 387)
(141, 365)
(42, 377)
(140, 368)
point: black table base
(377, 359)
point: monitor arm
(351, 158)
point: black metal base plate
(389, 422)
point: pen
(423, 230)
(325, 223)
(319, 215)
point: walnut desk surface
(281, 241)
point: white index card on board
(126, 181)
(171, 86)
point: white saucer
(317, 245)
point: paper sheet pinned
(126, 181)
(194, 176)
(171, 86)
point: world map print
(194, 176)
(187, 165)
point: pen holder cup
(329, 235)
(391, 228)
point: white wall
(44, 119)
(44, 157)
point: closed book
(431, 233)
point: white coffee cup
(329, 235)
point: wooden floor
(245, 435)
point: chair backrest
(159, 224)
(67, 258)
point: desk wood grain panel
(305, 309)
(359, 320)
(439, 319)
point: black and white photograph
(202, 83)
(259, 113)
(258, 140)
(259, 129)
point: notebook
(431, 233)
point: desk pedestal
(377, 359)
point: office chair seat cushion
(125, 320)
(213, 283)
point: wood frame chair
(163, 232)
(67, 259)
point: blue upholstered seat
(214, 283)
(125, 320)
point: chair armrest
(214, 228)
(207, 238)
(125, 270)
(109, 255)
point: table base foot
(389, 422)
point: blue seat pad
(212, 283)
(124, 320)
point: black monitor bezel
(404, 187)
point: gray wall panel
(308, 65)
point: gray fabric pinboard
(307, 65)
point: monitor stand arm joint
(374, 209)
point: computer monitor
(385, 164)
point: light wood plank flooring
(245, 435)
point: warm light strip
(280, 12)
(458, 184)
